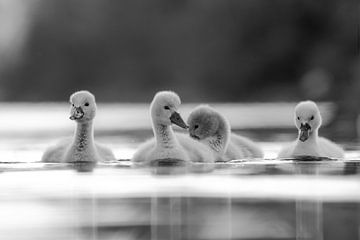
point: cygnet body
(213, 129)
(167, 144)
(308, 121)
(81, 147)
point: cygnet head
(83, 106)
(205, 122)
(307, 119)
(164, 109)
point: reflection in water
(166, 219)
(351, 168)
(84, 166)
(309, 223)
(128, 203)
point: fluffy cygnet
(166, 144)
(211, 128)
(82, 147)
(308, 121)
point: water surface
(245, 199)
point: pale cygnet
(81, 147)
(308, 120)
(213, 129)
(166, 144)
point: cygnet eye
(298, 118)
(196, 126)
(166, 107)
(312, 117)
(86, 104)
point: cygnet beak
(76, 113)
(304, 132)
(176, 119)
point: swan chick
(167, 144)
(213, 129)
(307, 119)
(82, 147)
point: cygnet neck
(164, 135)
(84, 136)
(219, 142)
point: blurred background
(206, 50)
